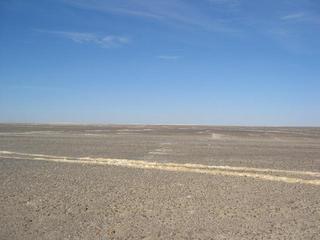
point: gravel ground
(68, 200)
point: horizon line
(154, 124)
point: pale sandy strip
(189, 165)
(160, 166)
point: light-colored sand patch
(166, 144)
(30, 133)
(161, 151)
(216, 136)
(129, 130)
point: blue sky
(219, 62)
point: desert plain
(65, 181)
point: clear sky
(219, 62)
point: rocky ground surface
(45, 199)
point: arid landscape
(159, 119)
(159, 182)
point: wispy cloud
(239, 18)
(294, 16)
(230, 3)
(104, 41)
(169, 57)
(302, 17)
(167, 11)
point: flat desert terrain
(159, 182)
